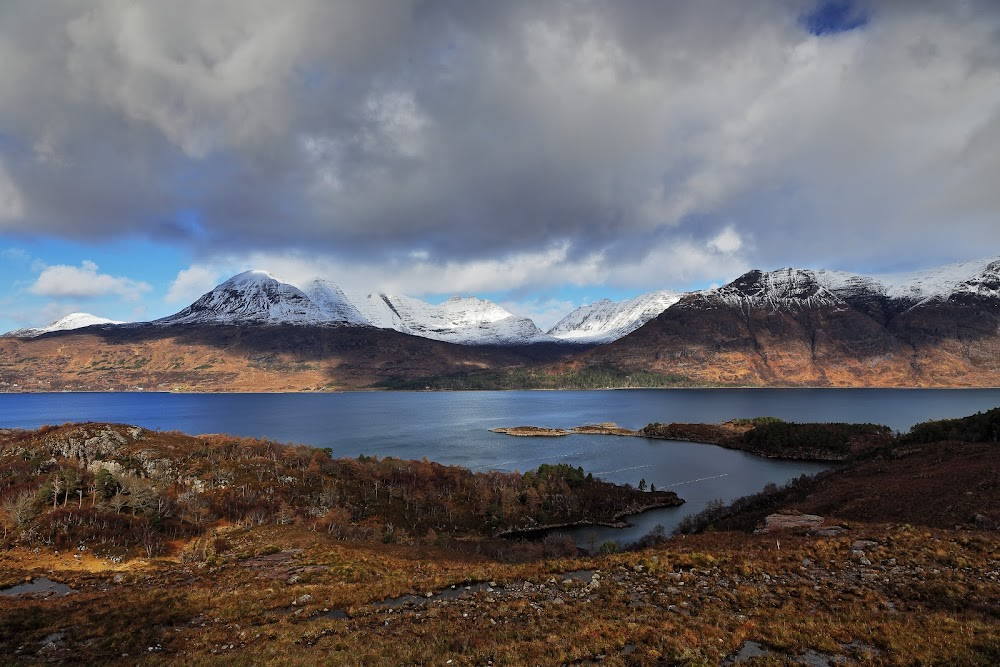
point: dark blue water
(453, 427)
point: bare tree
(18, 511)
(118, 502)
(142, 495)
(57, 486)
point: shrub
(609, 547)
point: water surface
(453, 427)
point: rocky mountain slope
(253, 297)
(801, 327)
(221, 357)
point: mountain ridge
(605, 320)
(66, 323)
(799, 327)
(788, 327)
(258, 297)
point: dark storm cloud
(476, 130)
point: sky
(540, 154)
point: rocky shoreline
(735, 434)
(669, 499)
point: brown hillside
(233, 358)
(709, 342)
(940, 484)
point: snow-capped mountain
(254, 297)
(463, 320)
(71, 321)
(938, 283)
(775, 290)
(807, 288)
(606, 320)
(985, 284)
(804, 327)
(257, 297)
(333, 302)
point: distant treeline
(587, 377)
(770, 436)
(980, 427)
(778, 437)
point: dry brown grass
(661, 606)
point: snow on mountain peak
(67, 323)
(261, 298)
(333, 302)
(251, 296)
(258, 297)
(775, 290)
(604, 321)
(937, 283)
(808, 287)
(463, 320)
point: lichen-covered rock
(92, 442)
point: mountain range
(787, 327)
(258, 297)
(826, 328)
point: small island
(603, 428)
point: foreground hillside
(873, 595)
(127, 488)
(153, 548)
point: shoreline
(617, 522)
(379, 390)
(727, 435)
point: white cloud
(191, 283)
(11, 201)
(16, 255)
(678, 262)
(85, 282)
(727, 241)
(509, 142)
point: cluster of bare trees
(177, 484)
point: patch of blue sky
(22, 261)
(833, 17)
